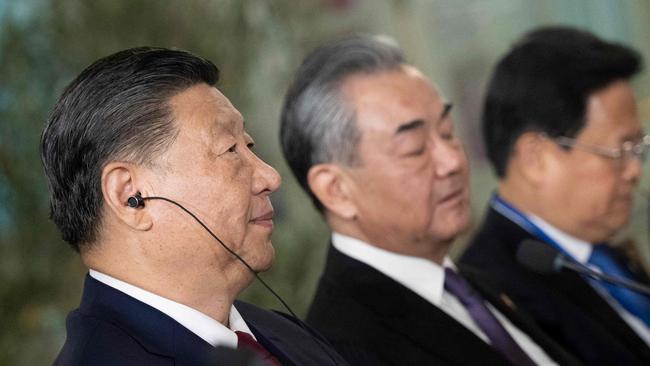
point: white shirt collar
(198, 323)
(422, 276)
(579, 249)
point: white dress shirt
(426, 278)
(195, 321)
(580, 250)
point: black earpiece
(135, 201)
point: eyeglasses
(629, 149)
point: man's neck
(211, 294)
(435, 252)
(531, 205)
(517, 199)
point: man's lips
(451, 197)
(265, 219)
(626, 199)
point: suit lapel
(585, 297)
(406, 313)
(274, 344)
(156, 331)
(288, 339)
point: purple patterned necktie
(489, 324)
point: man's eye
(417, 152)
(250, 145)
(232, 149)
(447, 135)
(446, 131)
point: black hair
(317, 126)
(116, 109)
(543, 83)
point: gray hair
(317, 124)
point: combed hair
(116, 109)
(317, 124)
(543, 83)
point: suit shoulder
(490, 250)
(93, 341)
(348, 324)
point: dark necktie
(637, 304)
(245, 340)
(489, 324)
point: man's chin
(265, 261)
(617, 226)
(457, 225)
(266, 266)
(448, 234)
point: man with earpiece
(153, 180)
(372, 141)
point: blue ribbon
(519, 218)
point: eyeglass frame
(628, 149)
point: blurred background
(257, 44)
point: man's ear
(119, 182)
(330, 184)
(530, 157)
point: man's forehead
(370, 80)
(205, 106)
(394, 97)
(613, 110)
(228, 119)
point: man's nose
(633, 168)
(266, 178)
(448, 156)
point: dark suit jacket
(112, 328)
(563, 304)
(372, 320)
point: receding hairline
(351, 81)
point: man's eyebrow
(220, 124)
(409, 126)
(446, 109)
(638, 135)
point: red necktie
(245, 340)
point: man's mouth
(451, 197)
(265, 219)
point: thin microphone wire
(255, 273)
